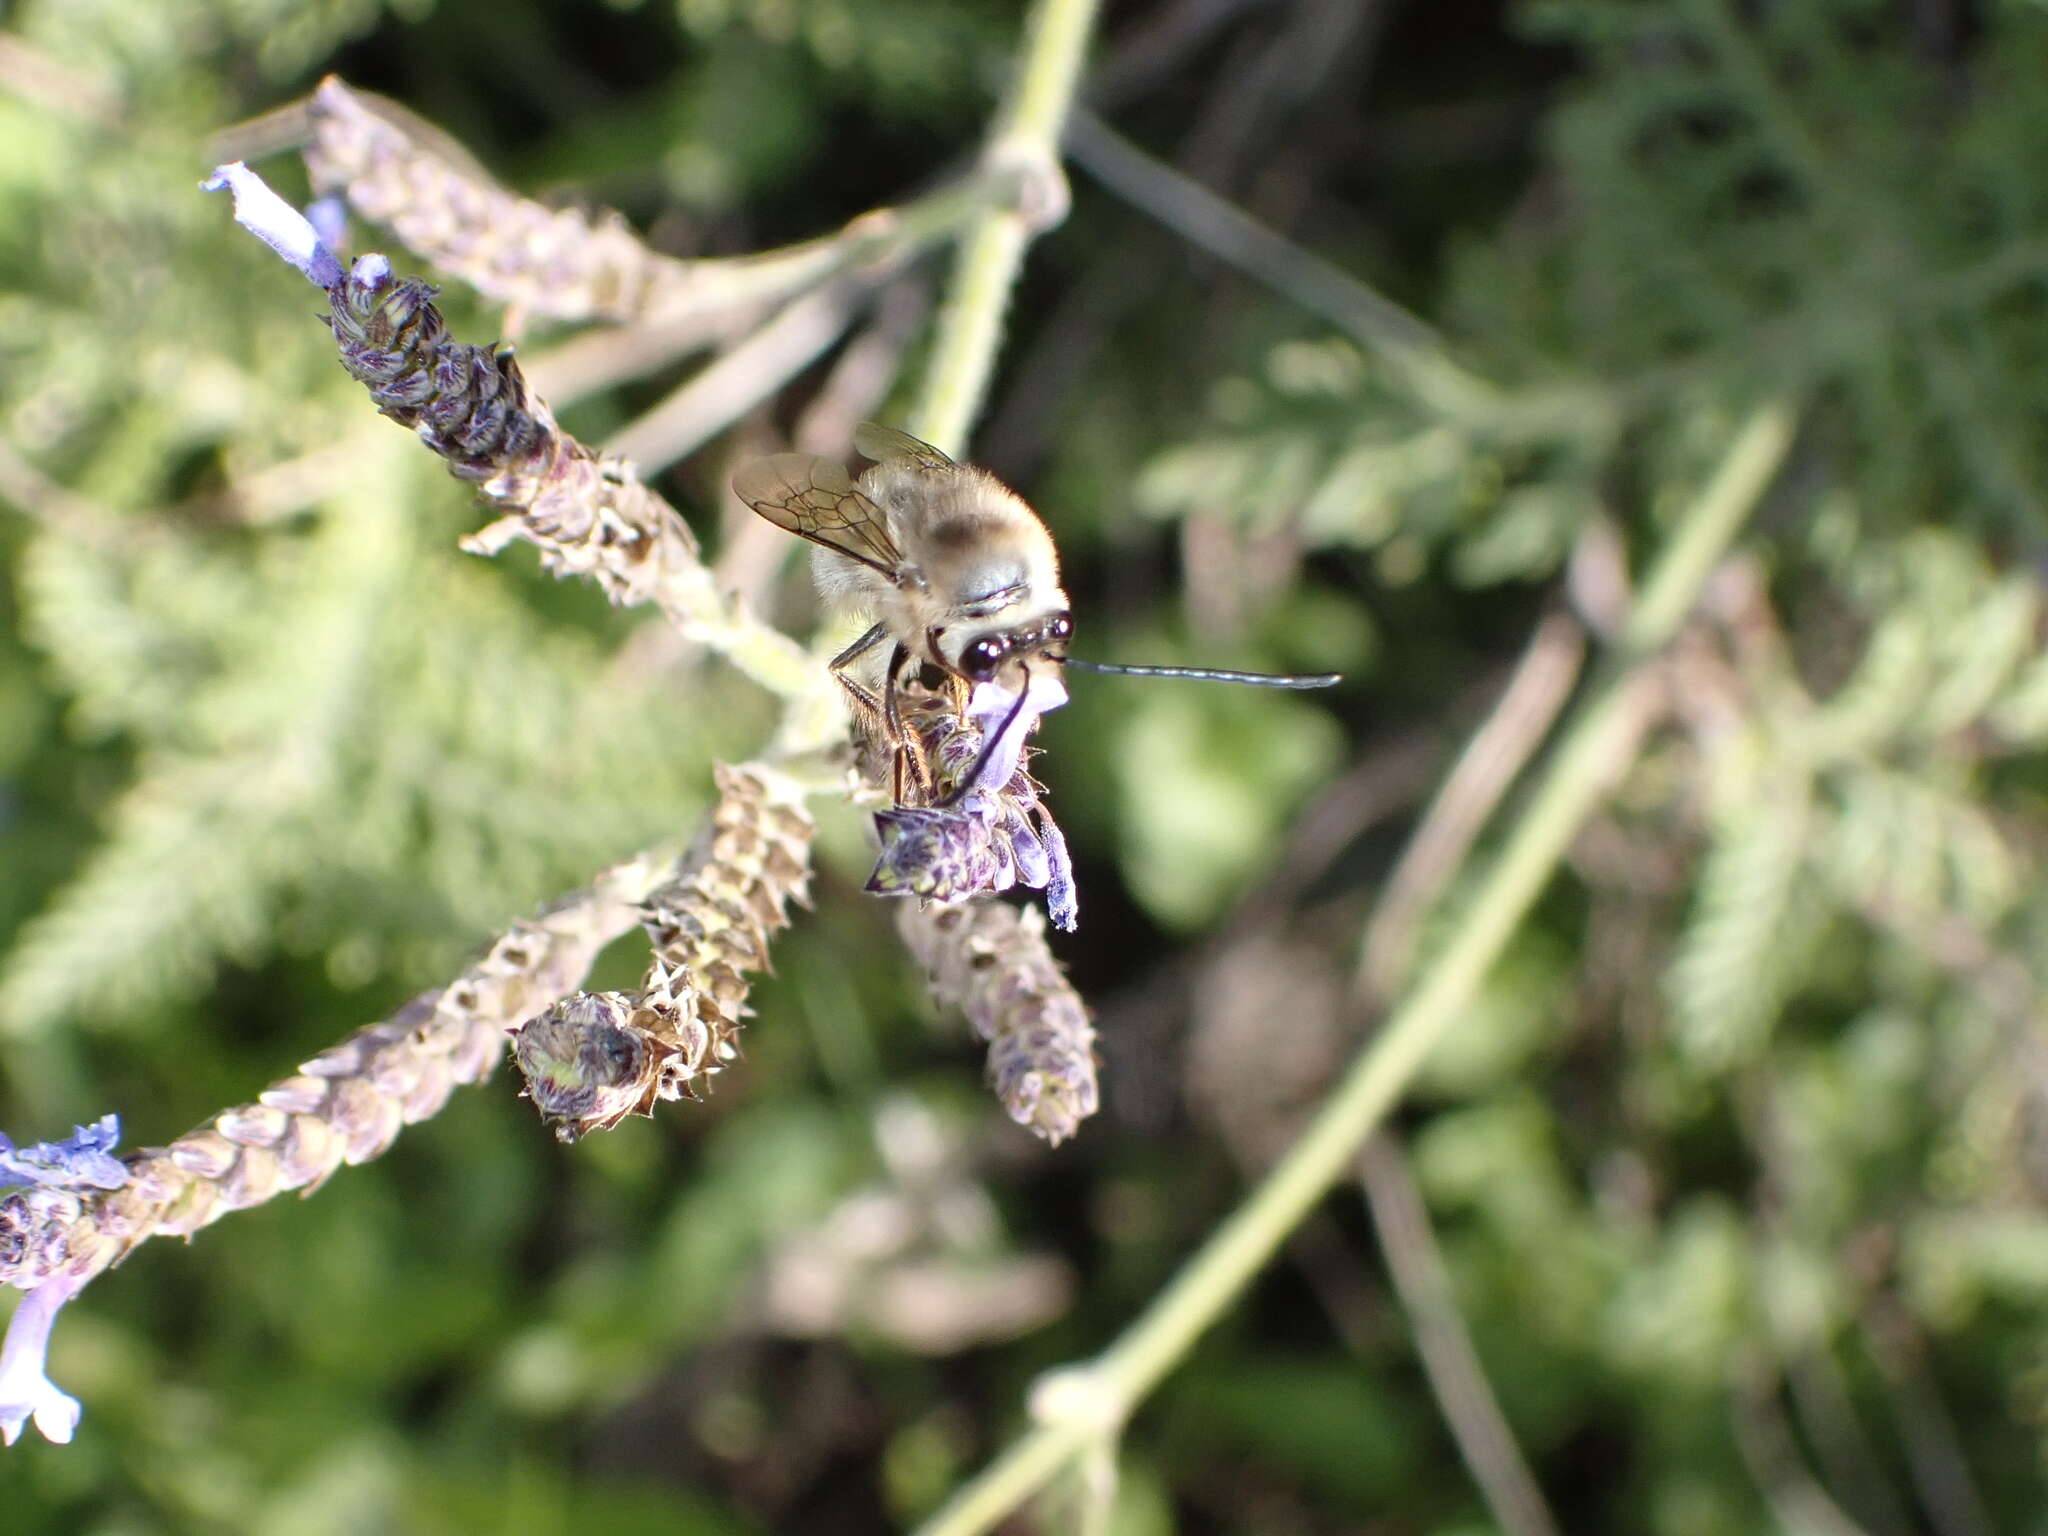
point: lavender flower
(26, 1392)
(938, 854)
(276, 223)
(993, 707)
(81, 1161)
(990, 830)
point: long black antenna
(1213, 674)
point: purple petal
(84, 1160)
(329, 218)
(991, 705)
(276, 223)
(1034, 867)
(26, 1392)
(1062, 904)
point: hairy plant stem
(1083, 1405)
(1024, 143)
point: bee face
(987, 654)
(956, 569)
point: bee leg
(890, 712)
(878, 715)
(909, 750)
(867, 705)
(869, 714)
(871, 637)
(867, 708)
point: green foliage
(281, 698)
(1242, 762)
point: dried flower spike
(980, 836)
(587, 515)
(592, 1060)
(990, 960)
(588, 1064)
(346, 1105)
(562, 263)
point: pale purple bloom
(276, 223)
(82, 1161)
(992, 832)
(329, 218)
(25, 1391)
(991, 705)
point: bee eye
(981, 659)
(1062, 626)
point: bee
(962, 578)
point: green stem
(1026, 138)
(1085, 1403)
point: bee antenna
(1213, 674)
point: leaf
(1744, 943)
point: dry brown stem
(595, 1058)
(346, 1105)
(991, 961)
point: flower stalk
(593, 1059)
(569, 265)
(588, 515)
(990, 960)
(344, 1106)
(1024, 146)
(1082, 1405)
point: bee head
(983, 657)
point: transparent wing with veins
(817, 500)
(871, 440)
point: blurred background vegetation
(1737, 1168)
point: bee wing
(871, 440)
(816, 500)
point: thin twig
(1025, 148)
(44, 82)
(739, 379)
(1497, 753)
(1821, 1404)
(1226, 231)
(1456, 1375)
(1494, 758)
(596, 359)
(1157, 47)
(752, 549)
(1764, 1441)
(1315, 42)
(56, 506)
(278, 490)
(1934, 1446)
(872, 250)
(1227, 134)
(1386, 781)
(1082, 1404)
